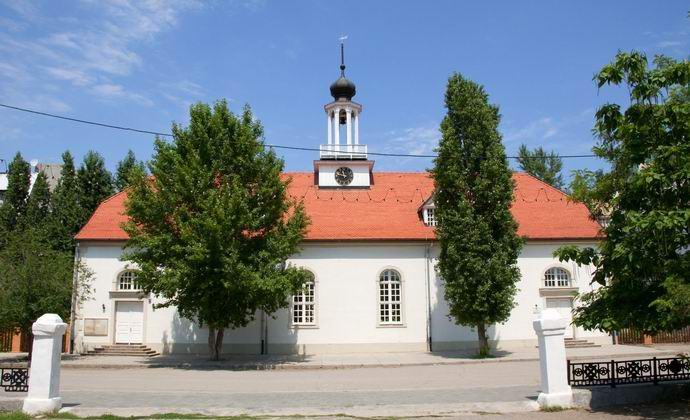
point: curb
(367, 411)
(296, 366)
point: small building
(372, 253)
(52, 171)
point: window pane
(390, 292)
(303, 307)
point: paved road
(411, 390)
(468, 390)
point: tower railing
(343, 151)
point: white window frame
(303, 302)
(389, 302)
(127, 278)
(557, 277)
(429, 216)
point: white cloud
(77, 77)
(109, 91)
(540, 129)
(22, 8)
(415, 140)
(186, 87)
(87, 52)
(666, 44)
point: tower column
(330, 128)
(336, 126)
(348, 122)
(356, 127)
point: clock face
(343, 175)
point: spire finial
(342, 55)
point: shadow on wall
(185, 337)
(272, 336)
(447, 336)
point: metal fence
(14, 379)
(629, 371)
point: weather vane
(342, 54)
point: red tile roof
(389, 210)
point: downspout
(427, 272)
(73, 309)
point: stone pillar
(357, 128)
(336, 126)
(44, 374)
(348, 127)
(330, 128)
(555, 391)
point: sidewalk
(353, 360)
(393, 384)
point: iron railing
(629, 371)
(14, 379)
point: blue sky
(141, 63)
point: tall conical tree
(67, 215)
(477, 235)
(542, 164)
(14, 206)
(38, 207)
(128, 167)
(95, 182)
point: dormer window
(429, 216)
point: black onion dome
(343, 87)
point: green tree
(476, 231)
(15, 203)
(38, 205)
(643, 263)
(67, 215)
(126, 168)
(35, 280)
(95, 183)
(582, 183)
(543, 165)
(211, 230)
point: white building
(52, 171)
(372, 252)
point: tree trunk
(215, 342)
(211, 342)
(484, 350)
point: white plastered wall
(346, 304)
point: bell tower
(343, 161)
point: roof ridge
(557, 190)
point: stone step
(122, 354)
(582, 346)
(142, 351)
(123, 350)
(124, 346)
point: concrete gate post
(44, 374)
(555, 391)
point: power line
(276, 146)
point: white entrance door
(129, 323)
(565, 307)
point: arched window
(390, 298)
(127, 281)
(556, 277)
(304, 304)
